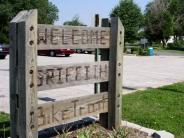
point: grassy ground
(172, 51)
(94, 131)
(160, 109)
(176, 51)
(4, 125)
(4, 117)
(167, 52)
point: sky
(86, 9)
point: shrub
(143, 52)
(171, 46)
(134, 50)
(4, 125)
(156, 45)
(178, 45)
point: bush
(135, 50)
(178, 45)
(171, 46)
(143, 52)
(156, 45)
(4, 125)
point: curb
(150, 132)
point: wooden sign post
(26, 78)
(116, 71)
(23, 75)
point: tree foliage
(177, 10)
(159, 24)
(131, 17)
(164, 18)
(47, 13)
(74, 22)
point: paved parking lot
(139, 73)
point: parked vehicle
(88, 50)
(3, 52)
(55, 52)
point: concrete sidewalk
(139, 73)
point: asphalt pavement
(138, 73)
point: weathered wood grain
(19, 17)
(97, 54)
(104, 85)
(15, 41)
(116, 73)
(13, 79)
(57, 37)
(60, 76)
(27, 75)
(26, 79)
(53, 114)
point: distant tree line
(160, 20)
(74, 22)
(131, 17)
(164, 18)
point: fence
(26, 78)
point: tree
(159, 21)
(131, 17)
(176, 9)
(74, 22)
(47, 13)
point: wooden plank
(104, 85)
(14, 95)
(57, 37)
(19, 16)
(97, 59)
(57, 113)
(60, 76)
(116, 73)
(97, 54)
(13, 80)
(27, 75)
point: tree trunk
(164, 43)
(175, 38)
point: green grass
(160, 109)
(95, 131)
(4, 117)
(4, 125)
(172, 51)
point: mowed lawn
(160, 109)
(4, 125)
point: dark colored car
(3, 52)
(55, 52)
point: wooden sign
(59, 76)
(56, 37)
(26, 78)
(53, 114)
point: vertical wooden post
(97, 54)
(24, 42)
(13, 80)
(13, 75)
(116, 73)
(104, 85)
